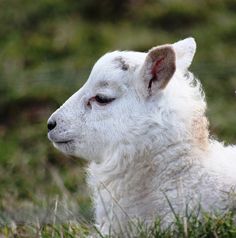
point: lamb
(140, 121)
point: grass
(188, 227)
(47, 49)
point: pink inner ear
(156, 69)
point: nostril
(51, 125)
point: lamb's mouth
(62, 142)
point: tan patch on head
(200, 131)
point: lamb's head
(117, 103)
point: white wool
(146, 151)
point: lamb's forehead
(115, 58)
(112, 65)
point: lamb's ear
(184, 50)
(158, 68)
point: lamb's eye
(103, 99)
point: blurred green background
(47, 49)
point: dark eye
(103, 99)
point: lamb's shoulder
(218, 179)
(209, 180)
(221, 162)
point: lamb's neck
(140, 168)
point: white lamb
(140, 121)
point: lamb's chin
(66, 147)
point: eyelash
(103, 99)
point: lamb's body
(148, 141)
(125, 194)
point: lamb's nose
(51, 125)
